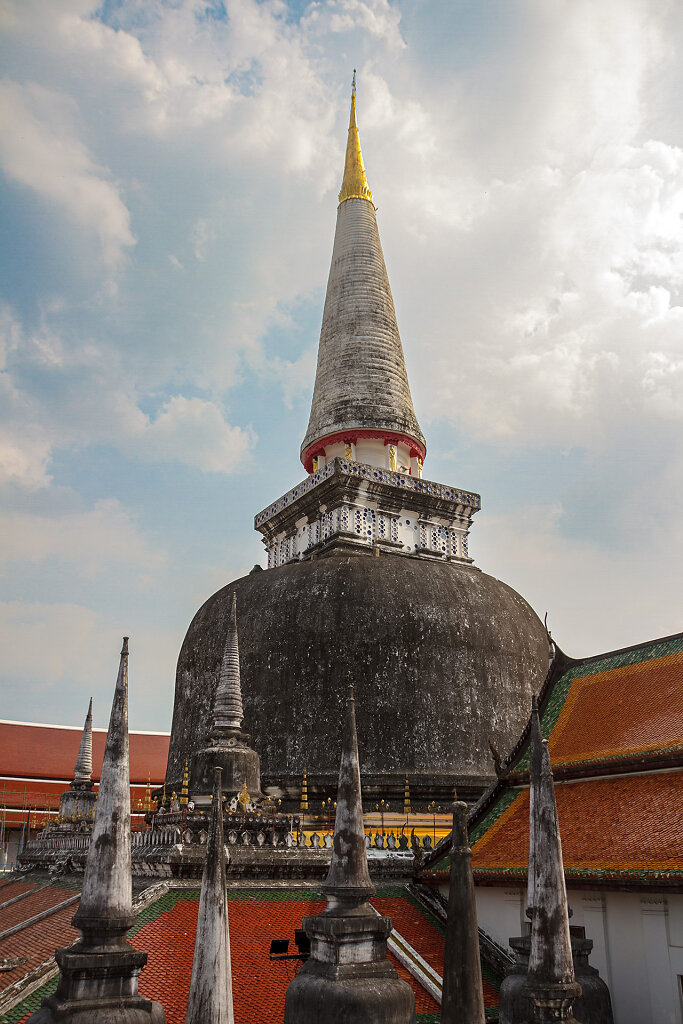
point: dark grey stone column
(463, 995)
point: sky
(169, 179)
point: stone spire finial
(210, 1000)
(355, 182)
(83, 769)
(535, 758)
(550, 986)
(463, 994)
(106, 900)
(99, 975)
(228, 711)
(347, 977)
(348, 878)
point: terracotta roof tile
(611, 827)
(617, 706)
(166, 931)
(50, 751)
(36, 903)
(38, 942)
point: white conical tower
(361, 391)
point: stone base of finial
(347, 977)
(77, 804)
(239, 764)
(551, 1002)
(592, 1006)
(99, 988)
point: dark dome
(443, 657)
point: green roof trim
(31, 1003)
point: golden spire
(355, 183)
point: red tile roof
(613, 827)
(49, 752)
(36, 942)
(166, 932)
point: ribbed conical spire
(354, 183)
(361, 385)
(83, 769)
(210, 1000)
(227, 710)
(550, 984)
(106, 901)
(463, 994)
(348, 878)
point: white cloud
(193, 431)
(40, 149)
(94, 540)
(598, 598)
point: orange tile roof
(166, 931)
(613, 827)
(50, 751)
(614, 712)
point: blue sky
(168, 201)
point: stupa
(369, 579)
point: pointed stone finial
(106, 901)
(348, 878)
(98, 977)
(210, 1000)
(355, 182)
(83, 769)
(228, 711)
(347, 976)
(463, 994)
(535, 757)
(550, 985)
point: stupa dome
(443, 658)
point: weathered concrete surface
(463, 994)
(361, 378)
(442, 657)
(210, 998)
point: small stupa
(227, 743)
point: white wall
(638, 944)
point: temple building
(369, 579)
(238, 895)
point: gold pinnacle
(355, 183)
